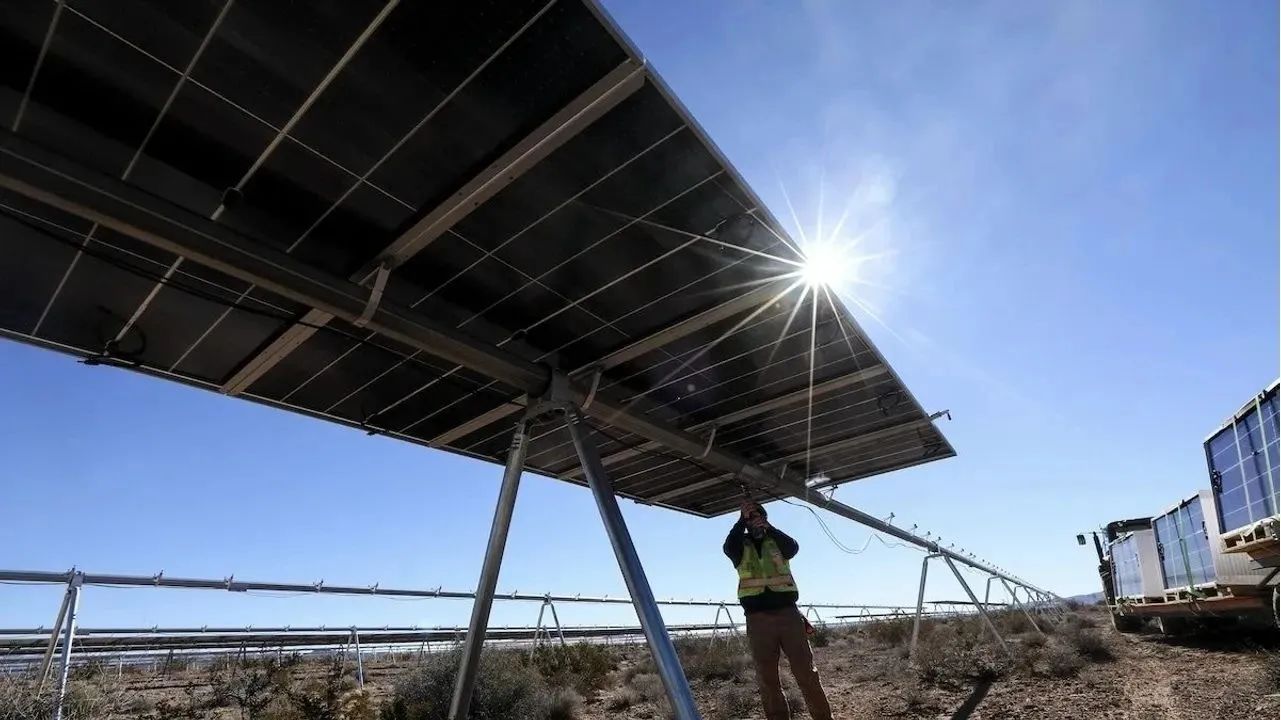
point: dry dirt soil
(1151, 678)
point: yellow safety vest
(765, 570)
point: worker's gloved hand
(754, 518)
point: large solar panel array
(1244, 459)
(517, 168)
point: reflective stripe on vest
(768, 569)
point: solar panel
(1244, 460)
(1183, 544)
(1126, 572)
(511, 171)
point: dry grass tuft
(734, 702)
(562, 704)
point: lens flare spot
(825, 266)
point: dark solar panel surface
(340, 124)
(1244, 459)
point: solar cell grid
(616, 236)
(1244, 460)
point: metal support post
(920, 607)
(1014, 599)
(987, 592)
(560, 631)
(69, 630)
(47, 661)
(987, 619)
(540, 631)
(660, 643)
(470, 662)
(716, 622)
(360, 664)
(538, 628)
(818, 619)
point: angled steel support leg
(470, 662)
(818, 619)
(987, 593)
(1014, 599)
(541, 631)
(987, 619)
(47, 662)
(560, 631)
(920, 607)
(538, 627)
(69, 631)
(660, 644)
(360, 663)
(716, 623)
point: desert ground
(1080, 668)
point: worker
(775, 625)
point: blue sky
(1072, 209)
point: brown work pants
(770, 632)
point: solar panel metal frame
(1245, 451)
(1183, 542)
(619, 162)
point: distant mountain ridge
(1088, 598)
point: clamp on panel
(375, 294)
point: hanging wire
(821, 523)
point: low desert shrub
(1057, 660)
(1012, 622)
(507, 688)
(735, 701)
(623, 698)
(330, 695)
(822, 636)
(562, 704)
(892, 633)
(581, 666)
(1032, 640)
(1089, 643)
(648, 686)
(716, 661)
(954, 653)
(98, 699)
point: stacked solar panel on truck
(1244, 460)
(1136, 572)
(1183, 544)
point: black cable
(822, 524)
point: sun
(826, 266)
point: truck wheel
(1127, 623)
(1171, 625)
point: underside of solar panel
(512, 170)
